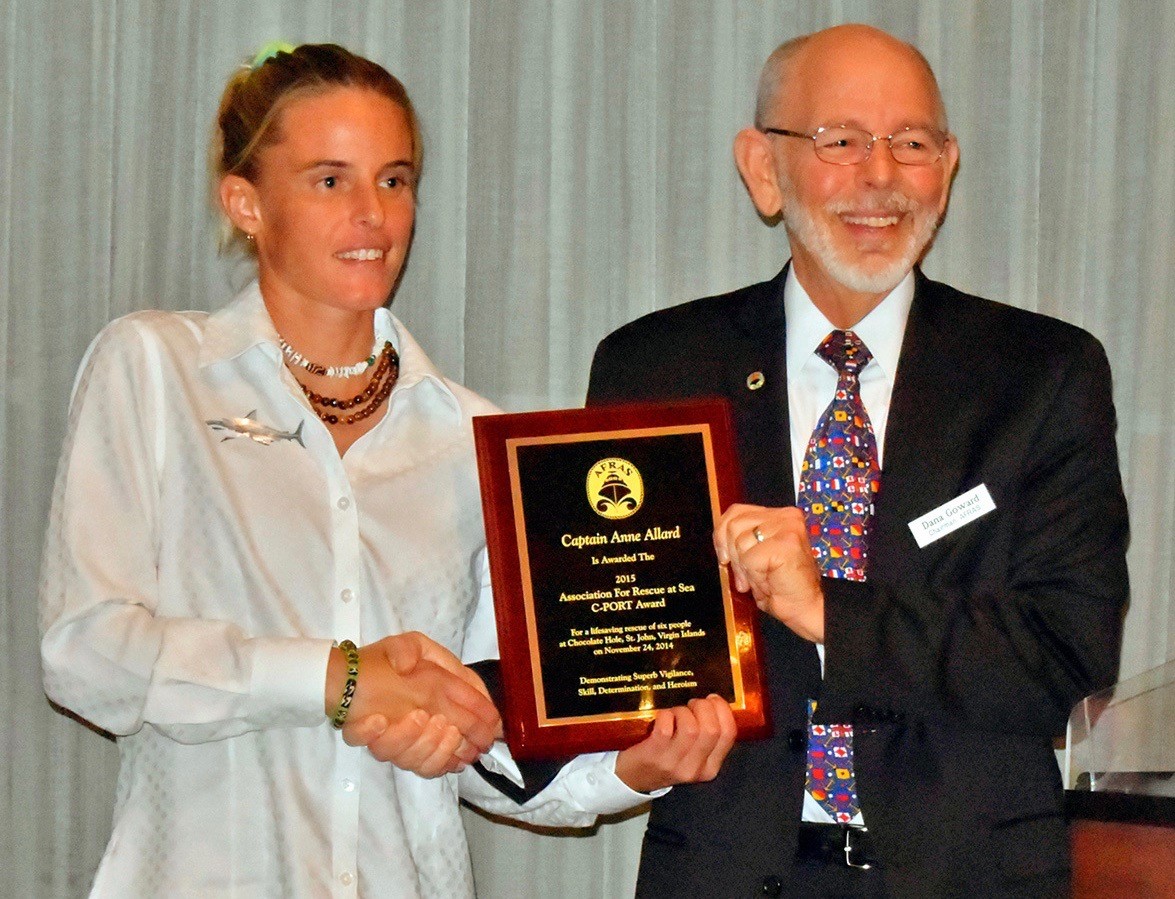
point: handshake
(415, 705)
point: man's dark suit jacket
(957, 664)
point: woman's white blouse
(195, 577)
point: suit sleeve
(1010, 642)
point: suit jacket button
(772, 886)
(797, 740)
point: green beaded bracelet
(352, 653)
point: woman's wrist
(350, 673)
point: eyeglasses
(850, 146)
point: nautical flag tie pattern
(838, 480)
(840, 476)
(830, 779)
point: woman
(245, 492)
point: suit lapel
(762, 425)
(924, 461)
(760, 415)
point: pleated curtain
(577, 174)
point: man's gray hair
(771, 79)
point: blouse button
(347, 595)
(344, 504)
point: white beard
(816, 237)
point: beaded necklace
(367, 401)
(330, 371)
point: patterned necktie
(838, 481)
(840, 475)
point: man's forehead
(857, 79)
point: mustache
(888, 201)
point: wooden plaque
(609, 598)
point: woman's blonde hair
(251, 106)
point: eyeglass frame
(947, 137)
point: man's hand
(402, 675)
(775, 564)
(687, 744)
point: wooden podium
(1123, 845)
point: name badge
(951, 516)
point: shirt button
(349, 786)
(345, 878)
(344, 504)
(347, 595)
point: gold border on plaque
(732, 634)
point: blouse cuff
(589, 781)
(609, 794)
(289, 677)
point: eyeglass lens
(848, 146)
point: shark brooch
(254, 430)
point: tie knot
(845, 352)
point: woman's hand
(687, 744)
(424, 744)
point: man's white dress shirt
(811, 385)
(195, 578)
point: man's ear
(755, 158)
(238, 199)
(952, 169)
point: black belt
(842, 844)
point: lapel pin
(755, 380)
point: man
(953, 640)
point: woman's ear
(238, 199)
(755, 158)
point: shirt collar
(237, 327)
(415, 366)
(881, 330)
(244, 325)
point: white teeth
(368, 255)
(872, 221)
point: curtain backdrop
(578, 174)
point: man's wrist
(808, 622)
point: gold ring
(758, 534)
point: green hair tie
(269, 51)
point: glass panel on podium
(1122, 740)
